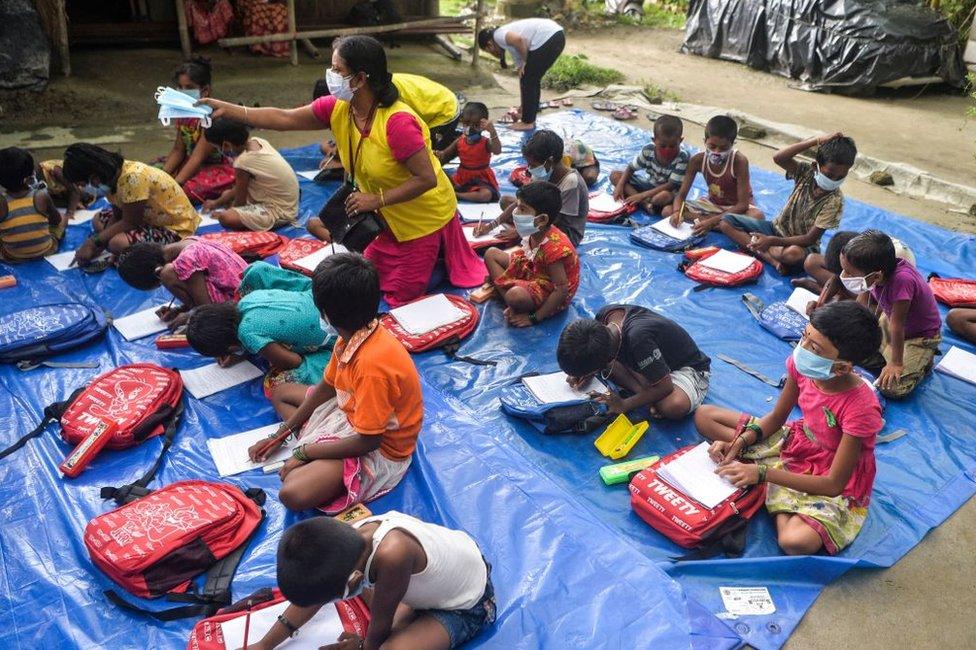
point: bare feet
(522, 126)
(806, 283)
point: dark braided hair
(198, 69)
(365, 54)
(83, 160)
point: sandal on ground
(605, 106)
(624, 113)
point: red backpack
(706, 276)
(248, 244)
(143, 399)
(614, 216)
(264, 606)
(155, 544)
(448, 336)
(520, 176)
(954, 292)
(688, 523)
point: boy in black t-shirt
(641, 352)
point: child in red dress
(474, 180)
(540, 279)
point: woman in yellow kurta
(147, 204)
(387, 148)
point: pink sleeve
(404, 135)
(862, 417)
(322, 109)
(189, 261)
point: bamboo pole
(185, 44)
(292, 28)
(325, 33)
(476, 50)
(62, 37)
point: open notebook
(693, 474)
(427, 315)
(140, 324)
(322, 630)
(230, 452)
(554, 389)
(475, 212)
(603, 202)
(799, 300)
(959, 363)
(210, 379)
(491, 235)
(726, 260)
(681, 233)
(311, 262)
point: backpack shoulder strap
(138, 489)
(451, 347)
(52, 413)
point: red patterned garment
(531, 270)
(260, 17)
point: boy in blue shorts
(814, 207)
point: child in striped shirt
(30, 225)
(663, 162)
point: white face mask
(719, 157)
(524, 224)
(339, 85)
(826, 184)
(855, 285)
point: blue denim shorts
(462, 625)
(748, 224)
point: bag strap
(732, 542)
(752, 372)
(138, 489)
(451, 347)
(52, 413)
(754, 304)
(216, 592)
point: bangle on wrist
(299, 454)
(533, 318)
(285, 623)
(755, 428)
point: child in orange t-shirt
(359, 425)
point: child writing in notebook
(640, 351)
(820, 468)
(726, 173)
(196, 164)
(265, 192)
(474, 180)
(539, 279)
(814, 206)
(280, 326)
(65, 194)
(359, 423)
(910, 317)
(655, 174)
(30, 226)
(196, 271)
(427, 586)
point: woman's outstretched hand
(219, 107)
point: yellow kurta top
(435, 104)
(377, 169)
(166, 203)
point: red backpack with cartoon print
(520, 176)
(447, 336)
(706, 276)
(249, 245)
(260, 611)
(688, 523)
(155, 544)
(954, 292)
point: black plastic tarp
(849, 46)
(24, 53)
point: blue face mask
(826, 184)
(98, 191)
(472, 135)
(539, 173)
(524, 224)
(192, 92)
(812, 365)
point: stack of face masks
(177, 104)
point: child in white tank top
(438, 574)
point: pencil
(278, 438)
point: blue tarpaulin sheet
(572, 565)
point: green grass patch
(571, 71)
(657, 95)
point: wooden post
(476, 50)
(185, 44)
(292, 28)
(62, 37)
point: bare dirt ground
(927, 599)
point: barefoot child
(427, 586)
(474, 180)
(359, 423)
(910, 317)
(541, 278)
(814, 206)
(644, 353)
(196, 164)
(30, 225)
(655, 174)
(726, 172)
(820, 468)
(196, 271)
(280, 326)
(962, 321)
(265, 192)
